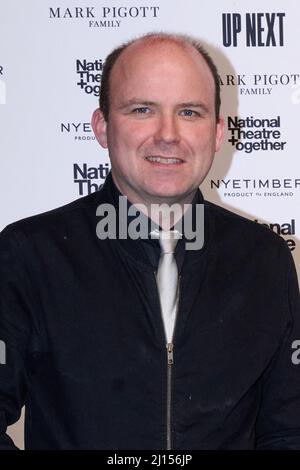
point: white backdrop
(51, 55)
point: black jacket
(85, 345)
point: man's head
(159, 117)
(184, 40)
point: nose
(167, 129)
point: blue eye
(189, 113)
(141, 110)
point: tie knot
(167, 245)
(167, 239)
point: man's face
(161, 132)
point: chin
(165, 195)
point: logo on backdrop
(89, 75)
(260, 83)
(286, 230)
(89, 178)
(252, 134)
(79, 131)
(2, 86)
(253, 29)
(235, 188)
(104, 17)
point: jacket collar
(109, 193)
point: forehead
(155, 64)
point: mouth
(159, 160)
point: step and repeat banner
(51, 58)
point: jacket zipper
(170, 362)
(170, 358)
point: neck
(164, 211)
(166, 214)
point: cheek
(197, 143)
(205, 140)
(127, 136)
(141, 136)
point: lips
(164, 160)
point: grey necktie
(167, 278)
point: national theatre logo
(253, 29)
(89, 75)
(89, 178)
(286, 230)
(255, 134)
(105, 16)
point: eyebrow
(188, 104)
(136, 101)
(192, 104)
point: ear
(99, 126)
(219, 133)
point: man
(111, 344)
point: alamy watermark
(2, 92)
(296, 354)
(2, 88)
(2, 352)
(132, 221)
(295, 95)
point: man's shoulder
(57, 218)
(231, 228)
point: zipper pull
(170, 353)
